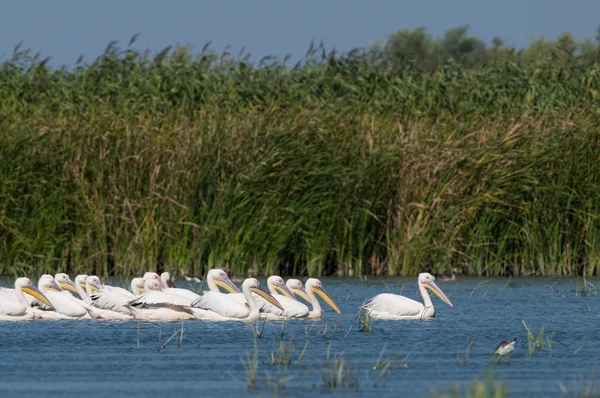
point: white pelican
(292, 308)
(65, 306)
(14, 306)
(113, 303)
(296, 286)
(394, 306)
(219, 306)
(155, 304)
(66, 284)
(505, 347)
(314, 286)
(216, 278)
(166, 279)
(172, 290)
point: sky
(66, 29)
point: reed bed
(337, 165)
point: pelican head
(166, 279)
(253, 285)
(296, 286)
(80, 280)
(94, 283)
(276, 283)
(152, 285)
(220, 278)
(137, 286)
(26, 286)
(428, 281)
(47, 283)
(316, 287)
(154, 275)
(65, 282)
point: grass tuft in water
(488, 388)
(337, 373)
(465, 357)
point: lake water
(93, 358)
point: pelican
(65, 306)
(292, 308)
(394, 306)
(296, 286)
(155, 304)
(505, 347)
(219, 306)
(166, 279)
(314, 286)
(112, 303)
(172, 290)
(65, 283)
(14, 306)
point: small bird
(506, 347)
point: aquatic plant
(537, 342)
(465, 357)
(488, 388)
(356, 163)
(338, 373)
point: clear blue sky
(65, 29)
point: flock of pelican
(154, 297)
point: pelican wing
(66, 305)
(9, 305)
(183, 293)
(393, 305)
(119, 290)
(111, 301)
(160, 299)
(227, 305)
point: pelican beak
(69, 285)
(300, 292)
(34, 292)
(284, 290)
(82, 284)
(53, 287)
(267, 296)
(95, 287)
(327, 298)
(170, 284)
(438, 292)
(227, 284)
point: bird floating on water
(506, 347)
(394, 306)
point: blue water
(106, 358)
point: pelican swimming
(218, 306)
(65, 283)
(112, 303)
(394, 306)
(155, 304)
(166, 279)
(14, 306)
(65, 306)
(292, 308)
(172, 290)
(314, 286)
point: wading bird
(505, 347)
(394, 306)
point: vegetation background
(417, 153)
